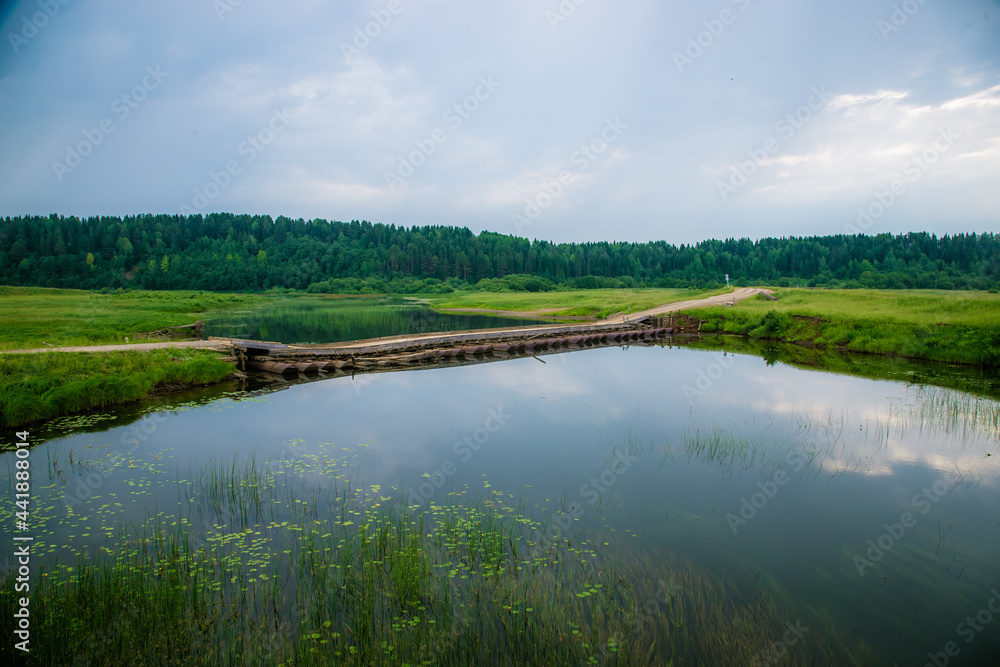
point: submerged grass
(253, 574)
(727, 448)
(734, 452)
(966, 416)
(939, 412)
(52, 384)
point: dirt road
(739, 294)
(133, 347)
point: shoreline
(744, 343)
(813, 328)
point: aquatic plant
(255, 574)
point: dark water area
(866, 509)
(333, 320)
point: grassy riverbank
(962, 327)
(45, 385)
(959, 327)
(31, 316)
(51, 384)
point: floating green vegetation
(79, 422)
(262, 568)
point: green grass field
(30, 316)
(951, 326)
(51, 384)
(42, 386)
(591, 302)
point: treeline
(250, 253)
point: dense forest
(250, 253)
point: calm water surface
(866, 509)
(335, 319)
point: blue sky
(570, 121)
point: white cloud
(868, 140)
(846, 101)
(353, 120)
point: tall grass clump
(725, 447)
(964, 416)
(52, 384)
(253, 574)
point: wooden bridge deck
(421, 349)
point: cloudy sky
(571, 121)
